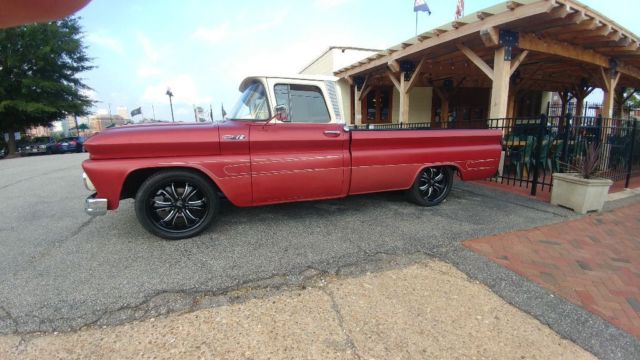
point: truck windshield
(252, 105)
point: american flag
(460, 9)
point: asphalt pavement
(62, 270)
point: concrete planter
(582, 195)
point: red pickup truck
(299, 149)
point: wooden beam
(548, 46)
(560, 12)
(603, 30)
(394, 65)
(515, 63)
(476, 60)
(481, 15)
(553, 47)
(458, 24)
(512, 5)
(365, 92)
(536, 8)
(614, 35)
(349, 80)
(415, 76)
(490, 36)
(395, 81)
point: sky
(202, 49)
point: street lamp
(170, 95)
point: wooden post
(511, 108)
(500, 88)
(444, 113)
(404, 100)
(357, 105)
(610, 80)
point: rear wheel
(431, 187)
(176, 204)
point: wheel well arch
(135, 178)
(455, 168)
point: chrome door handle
(332, 133)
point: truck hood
(157, 140)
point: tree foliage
(39, 68)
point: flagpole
(416, 23)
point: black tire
(176, 204)
(431, 187)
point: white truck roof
(248, 80)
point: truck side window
(305, 103)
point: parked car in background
(36, 146)
(68, 145)
(4, 150)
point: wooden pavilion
(496, 63)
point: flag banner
(460, 9)
(137, 111)
(421, 5)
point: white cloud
(145, 71)
(106, 41)
(151, 53)
(183, 87)
(225, 32)
(213, 35)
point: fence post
(565, 141)
(631, 150)
(542, 129)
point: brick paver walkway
(593, 262)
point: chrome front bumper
(95, 206)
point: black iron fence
(535, 148)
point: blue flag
(421, 5)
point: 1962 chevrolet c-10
(284, 141)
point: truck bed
(390, 159)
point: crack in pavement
(36, 176)
(336, 309)
(167, 302)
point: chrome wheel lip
(177, 206)
(432, 183)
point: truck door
(304, 158)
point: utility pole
(154, 112)
(195, 114)
(170, 95)
(110, 117)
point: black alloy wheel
(432, 186)
(176, 204)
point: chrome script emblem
(234, 137)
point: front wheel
(176, 204)
(431, 186)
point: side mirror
(281, 113)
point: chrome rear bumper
(95, 206)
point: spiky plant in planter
(590, 162)
(581, 190)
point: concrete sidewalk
(425, 310)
